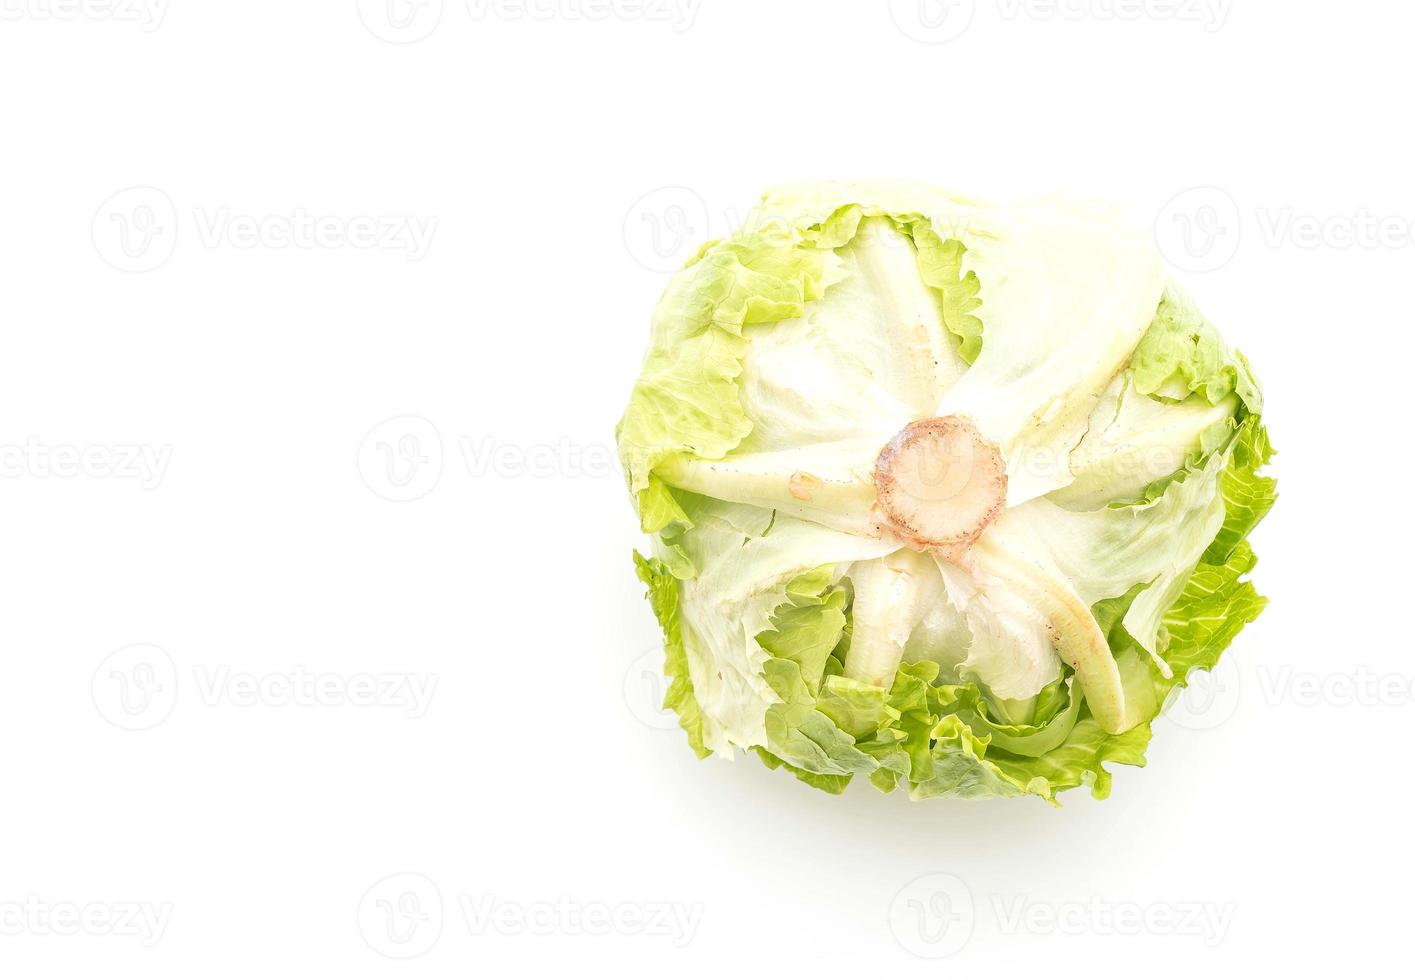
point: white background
(563, 162)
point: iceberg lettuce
(948, 495)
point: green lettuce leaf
(1247, 497)
(934, 737)
(1215, 605)
(1078, 761)
(1182, 353)
(941, 266)
(686, 398)
(663, 597)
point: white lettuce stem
(831, 485)
(1079, 641)
(888, 260)
(1137, 441)
(883, 614)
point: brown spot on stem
(803, 485)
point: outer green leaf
(1080, 760)
(686, 399)
(808, 628)
(1247, 497)
(1182, 352)
(941, 265)
(1214, 607)
(663, 596)
(1031, 740)
(856, 708)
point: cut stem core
(939, 483)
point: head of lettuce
(942, 494)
